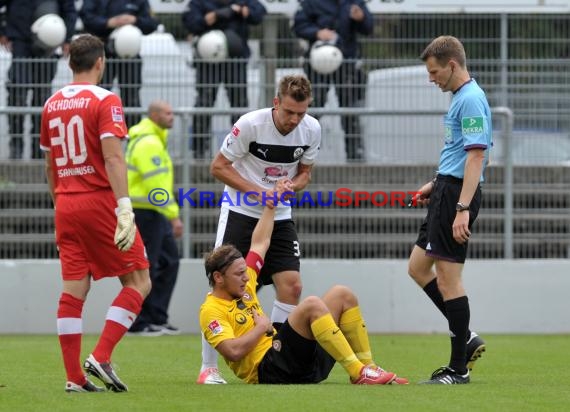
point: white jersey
(261, 154)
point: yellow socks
(354, 328)
(331, 338)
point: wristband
(124, 202)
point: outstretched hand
(285, 189)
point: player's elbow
(233, 357)
(48, 169)
(214, 169)
(114, 159)
(233, 354)
(218, 166)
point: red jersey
(74, 120)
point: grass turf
(517, 373)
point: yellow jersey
(222, 319)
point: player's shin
(353, 327)
(331, 338)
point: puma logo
(264, 153)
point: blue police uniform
(232, 72)
(350, 80)
(25, 73)
(128, 72)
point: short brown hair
(445, 48)
(219, 259)
(296, 86)
(84, 52)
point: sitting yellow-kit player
(317, 333)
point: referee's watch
(461, 207)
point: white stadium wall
(522, 296)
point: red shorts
(85, 229)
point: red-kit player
(82, 129)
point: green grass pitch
(517, 373)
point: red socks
(69, 330)
(120, 316)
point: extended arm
(261, 237)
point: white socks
(209, 355)
(281, 311)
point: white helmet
(212, 46)
(325, 58)
(126, 41)
(49, 31)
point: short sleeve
(311, 153)
(112, 118)
(475, 124)
(214, 325)
(236, 144)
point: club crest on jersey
(240, 318)
(117, 113)
(215, 327)
(298, 153)
(277, 345)
(235, 131)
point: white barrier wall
(522, 296)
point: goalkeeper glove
(126, 228)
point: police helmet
(212, 45)
(325, 58)
(49, 31)
(125, 41)
(217, 45)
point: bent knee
(420, 275)
(341, 293)
(314, 304)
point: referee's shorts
(436, 232)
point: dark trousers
(233, 74)
(350, 85)
(162, 252)
(27, 73)
(128, 73)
